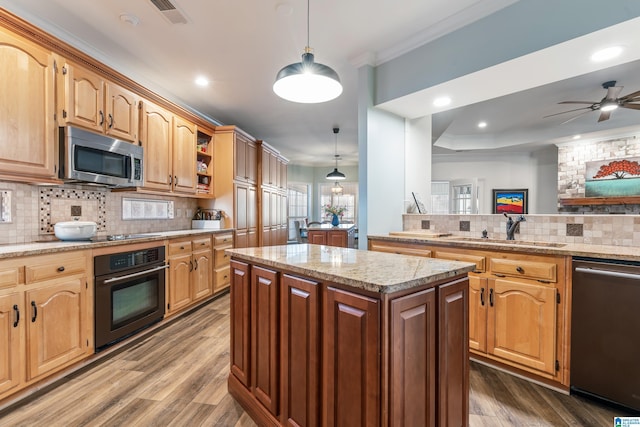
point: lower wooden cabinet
(190, 272)
(308, 353)
(222, 277)
(46, 322)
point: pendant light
(336, 175)
(307, 81)
(337, 188)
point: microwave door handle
(131, 276)
(131, 167)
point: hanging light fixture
(337, 188)
(307, 81)
(336, 175)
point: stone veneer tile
(575, 230)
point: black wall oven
(129, 293)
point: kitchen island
(342, 235)
(323, 335)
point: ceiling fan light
(336, 175)
(609, 106)
(307, 82)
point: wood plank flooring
(177, 377)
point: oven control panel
(112, 263)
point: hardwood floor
(177, 377)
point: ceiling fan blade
(578, 102)
(575, 117)
(631, 106)
(568, 111)
(613, 92)
(604, 116)
(630, 96)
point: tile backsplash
(612, 230)
(35, 210)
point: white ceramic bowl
(75, 230)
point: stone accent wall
(610, 230)
(35, 210)
(572, 158)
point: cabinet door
(453, 353)
(241, 213)
(274, 172)
(180, 268)
(412, 398)
(240, 159)
(184, 156)
(300, 347)
(251, 162)
(350, 357)
(155, 134)
(252, 208)
(283, 173)
(84, 98)
(317, 237)
(202, 275)
(121, 110)
(27, 130)
(337, 238)
(12, 319)
(55, 325)
(521, 323)
(240, 306)
(478, 303)
(264, 337)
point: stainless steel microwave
(91, 157)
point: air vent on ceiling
(169, 11)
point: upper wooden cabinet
(169, 144)
(97, 104)
(246, 159)
(27, 127)
(273, 168)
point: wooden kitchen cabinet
(246, 202)
(240, 307)
(273, 221)
(95, 103)
(399, 248)
(28, 131)
(46, 321)
(222, 276)
(190, 272)
(184, 156)
(245, 159)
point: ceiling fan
(606, 105)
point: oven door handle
(131, 276)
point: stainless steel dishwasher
(605, 331)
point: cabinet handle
(499, 275)
(190, 265)
(181, 248)
(175, 178)
(34, 307)
(110, 121)
(61, 268)
(170, 179)
(491, 297)
(482, 296)
(225, 276)
(519, 269)
(16, 310)
(195, 262)
(101, 118)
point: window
(348, 199)
(461, 199)
(440, 197)
(298, 200)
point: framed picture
(510, 201)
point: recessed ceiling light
(443, 101)
(482, 125)
(202, 81)
(606, 54)
(576, 137)
(129, 19)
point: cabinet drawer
(223, 239)
(478, 260)
(54, 266)
(201, 243)
(180, 248)
(399, 248)
(538, 270)
(222, 277)
(11, 275)
(221, 259)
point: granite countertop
(368, 270)
(39, 248)
(625, 253)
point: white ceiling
(241, 45)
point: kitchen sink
(509, 242)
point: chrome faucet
(512, 225)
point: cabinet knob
(61, 268)
(519, 269)
(181, 248)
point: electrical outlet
(76, 210)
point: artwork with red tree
(618, 169)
